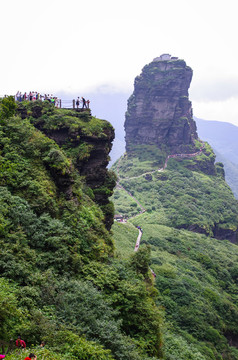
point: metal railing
(59, 103)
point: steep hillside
(223, 138)
(172, 189)
(187, 217)
(220, 135)
(196, 277)
(60, 281)
(181, 196)
(231, 173)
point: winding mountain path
(138, 245)
(138, 240)
(119, 186)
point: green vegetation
(125, 237)
(197, 284)
(231, 173)
(188, 211)
(60, 281)
(64, 281)
(125, 205)
(179, 197)
(146, 159)
(7, 108)
(88, 125)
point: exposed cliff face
(93, 166)
(88, 142)
(159, 111)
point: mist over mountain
(222, 137)
(84, 281)
(231, 172)
(111, 107)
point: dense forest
(60, 279)
(72, 279)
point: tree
(7, 107)
(9, 313)
(141, 259)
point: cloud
(226, 111)
(214, 90)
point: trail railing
(59, 103)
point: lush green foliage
(7, 108)
(9, 313)
(71, 347)
(64, 285)
(197, 282)
(53, 230)
(146, 159)
(196, 274)
(181, 198)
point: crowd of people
(34, 95)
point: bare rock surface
(159, 110)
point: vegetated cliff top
(159, 111)
(85, 139)
(47, 170)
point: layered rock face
(159, 111)
(89, 152)
(92, 167)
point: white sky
(80, 46)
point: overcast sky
(82, 46)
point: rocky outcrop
(88, 150)
(159, 111)
(217, 232)
(93, 166)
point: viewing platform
(58, 103)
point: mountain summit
(166, 160)
(159, 110)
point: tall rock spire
(159, 111)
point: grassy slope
(196, 274)
(179, 197)
(231, 173)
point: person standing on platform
(77, 102)
(84, 103)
